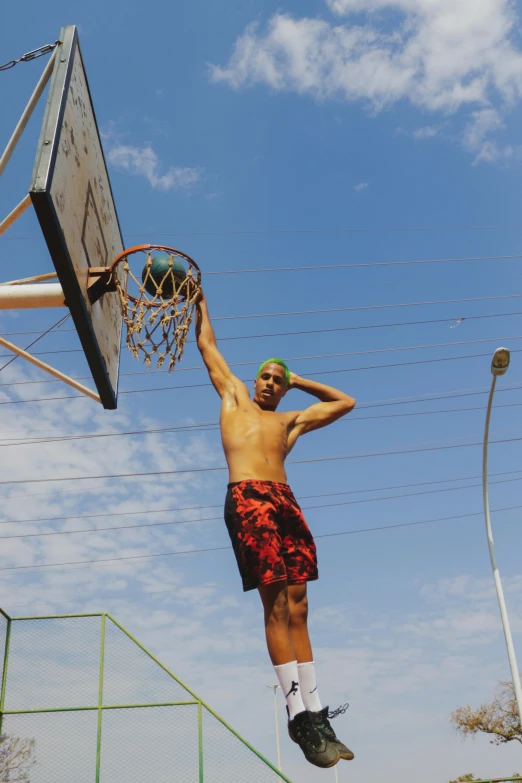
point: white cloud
(144, 161)
(444, 55)
(361, 186)
(476, 137)
(427, 132)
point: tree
(499, 717)
(16, 759)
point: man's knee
(298, 604)
(275, 603)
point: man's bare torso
(256, 442)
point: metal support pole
(47, 367)
(37, 295)
(15, 214)
(100, 700)
(274, 688)
(277, 731)
(4, 673)
(200, 741)
(24, 119)
(496, 575)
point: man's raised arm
(222, 378)
(334, 404)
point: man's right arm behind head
(220, 374)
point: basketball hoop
(157, 295)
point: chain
(25, 58)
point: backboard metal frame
(72, 196)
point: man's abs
(255, 443)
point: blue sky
(254, 136)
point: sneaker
(316, 748)
(322, 724)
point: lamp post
(274, 688)
(499, 366)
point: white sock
(289, 682)
(306, 672)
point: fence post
(200, 741)
(100, 700)
(4, 671)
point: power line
(324, 372)
(362, 308)
(432, 397)
(472, 392)
(369, 352)
(182, 471)
(59, 566)
(250, 232)
(101, 488)
(249, 380)
(202, 519)
(358, 265)
(214, 426)
(365, 326)
(366, 307)
(40, 337)
(317, 331)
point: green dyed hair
(276, 361)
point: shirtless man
(274, 548)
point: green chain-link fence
(102, 708)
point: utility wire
(360, 308)
(249, 380)
(59, 566)
(470, 392)
(367, 307)
(100, 488)
(370, 352)
(183, 471)
(319, 331)
(214, 426)
(202, 519)
(42, 334)
(372, 264)
(255, 232)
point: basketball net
(157, 312)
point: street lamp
(499, 366)
(274, 688)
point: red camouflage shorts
(269, 534)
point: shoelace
(339, 711)
(309, 733)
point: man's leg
(298, 626)
(316, 748)
(277, 615)
(280, 648)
